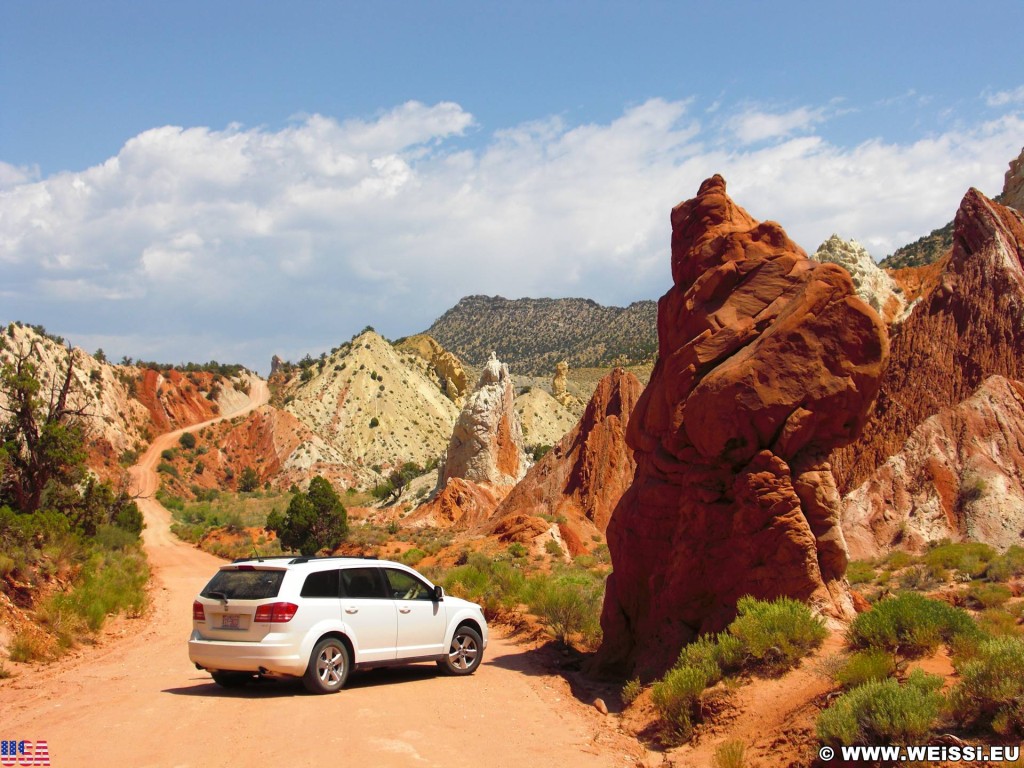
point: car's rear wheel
(464, 654)
(328, 667)
(231, 679)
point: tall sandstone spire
(767, 361)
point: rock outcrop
(1013, 184)
(448, 370)
(583, 477)
(485, 456)
(871, 282)
(767, 361)
(959, 476)
(487, 441)
(941, 420)
(560, 388)
(969, 327)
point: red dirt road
(135, 701)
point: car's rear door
(370, 614)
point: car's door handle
(351, 610)
(404, 610)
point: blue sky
(233, 180)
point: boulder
(767, 361)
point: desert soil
(133, 699)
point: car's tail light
(198, 614)
(276, 613)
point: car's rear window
(254, 584)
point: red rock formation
(960, 475)
(583, 477)
(461, 503)
(767, 361)
(176, 399)
(969, 327)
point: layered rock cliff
(969, 327)
(767, 361)
(581, 479)
(939, 457)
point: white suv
(318, 618)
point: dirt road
(135, 701)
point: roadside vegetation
(70, 554)
(765, 638)
(885, 699)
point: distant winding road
(134, 700)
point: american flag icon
(24, 753)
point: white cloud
(755, 125)
(1002, 98)
(239, 243)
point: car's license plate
(229, 621)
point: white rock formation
(487, 441)
(872, 283)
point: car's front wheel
(328, 667)
(464, 654)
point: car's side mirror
(438, 593)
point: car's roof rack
(293, 559)
(262, 557)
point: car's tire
(464, 654)
(231, 679)
(328, 667)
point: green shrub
(910, 625)
(884, 712)
(187, 441)
(553, 548)
(1007, 565)
(28, 647)
(991, 687)
(168, 469)
(776, 634)
(631, 691)
(864, 667)
(723, 651)
(983, 595)
(676, 698)
(860, 572)
(517, 549)
(729, 754)
(494, 584)
(970, 558)
(997, 621)
(412, 556)
(898, 559)
(568, 603)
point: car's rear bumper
(278, 658)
